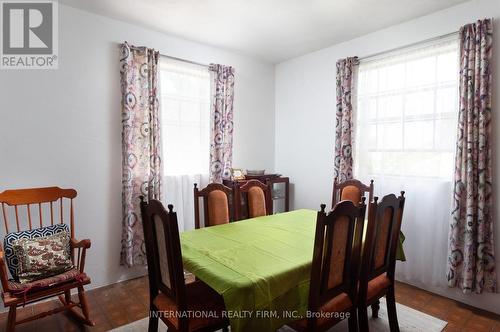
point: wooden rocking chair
(43, 202)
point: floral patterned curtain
(141, 170)
(221, 141)
(471, 261)
(344, 135)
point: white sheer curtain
(185, 119)
(407, 108)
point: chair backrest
(216, 204)
(336, 255)
(382, 236)
(351, 190)
(24, 209)
(163, 251)
(257, 197)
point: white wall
(305, 112)
(63, 127)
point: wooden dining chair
(33, 209)
(257, 198)
(171, 298)
(351, 190)
(217, 199)
(379, 259)
(335, 267)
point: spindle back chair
(53, 205)
(51, 198)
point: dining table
(260, 266)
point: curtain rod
(171, 57)
(429, 40)
(184, 60)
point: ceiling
(272, 30)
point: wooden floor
(125, 302)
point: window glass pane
(185, 115)
(421, 72)
(447, 65)
(391, 77)
(170, 109)
(389, 136)
(419, 103)
(418, 135)
(371, 84)
(368, 106)
(446, 134)
(390, 107)
(372, 136)
(443, 98)
(190, 111)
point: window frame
(364, 121)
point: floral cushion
(42, 257)
(11, 259)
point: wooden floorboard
(127, 301)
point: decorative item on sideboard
(256, 172)
(237, 174)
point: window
(185, 116)
(407, 108)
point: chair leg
(67, 296)
(85, 308)
(11, 320)
(353, 321)
(375, 309)
(153, 322)
(83, 319)
(391, 310)
(363, 318)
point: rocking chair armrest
(3, 271)
(85, 244)
(82, 247)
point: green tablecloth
(260, 266)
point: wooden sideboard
(277, 194)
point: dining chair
(257, 198)
(335, 267)
(34, 213)
(171, 298)
(217, 200)
(379, 259)
(351, 190)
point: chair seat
(338, 304)
(200, 297)
(377, 286)
(69, 275)
(342, 302)
(25, 293)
